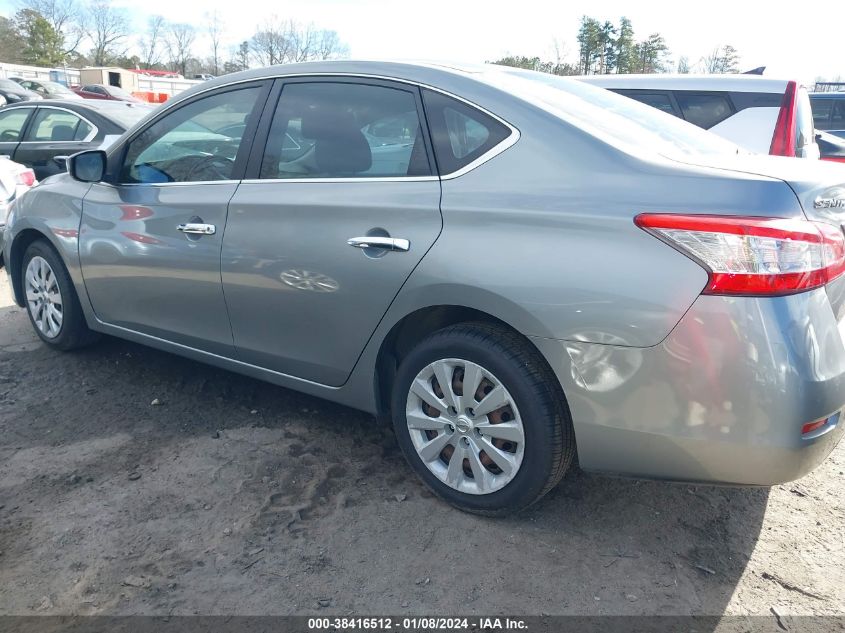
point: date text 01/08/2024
(416, 624)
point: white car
(15, 180)
(760, 114)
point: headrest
(61, 133)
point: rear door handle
(387, 243)
(197, 229)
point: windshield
(606, 114)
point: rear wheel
(481, 419)
(51, 300)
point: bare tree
(278, 42)
(723, 59)
(67, 18)
(107, 27)
(329, 46)
(150, 44)
(271, 44)
(215, 34)
(180, 41)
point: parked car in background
(15, 180)
(101, 91)
(760, 114)
(47, 89)
(13, 92)
(538, 264)
(829, 111)
(35, 133)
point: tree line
(78, 33)
(612, 48)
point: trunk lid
(818, 185)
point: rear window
(821, 112)
(837, 116)
(611, 116)
(661, 101)
(704, 110)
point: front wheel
(481, 419)
(51, 300)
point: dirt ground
(136, 482)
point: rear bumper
(723, 399)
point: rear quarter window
(460, 133)
(704, 110)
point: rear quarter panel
(542, 237)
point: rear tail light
(26, 177)
(754, 256)
(784, 138)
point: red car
(100, 91)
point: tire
(72, 331)
(512, 371)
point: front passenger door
(150, 238)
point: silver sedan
(510, 266)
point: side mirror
(89, 166)
(61, 162)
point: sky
(790, 43)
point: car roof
(412, 71)
(729, 83)
(78, 104)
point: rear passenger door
(340, 203)
(53, 132)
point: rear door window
(345, 130)
(58, 125)
(461, 133)
(704, 110)
(11, 124)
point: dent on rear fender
(733, 370)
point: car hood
(819, 185)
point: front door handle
(387, 243)
(195, 228)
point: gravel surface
(137, 482)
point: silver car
(512, 266)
